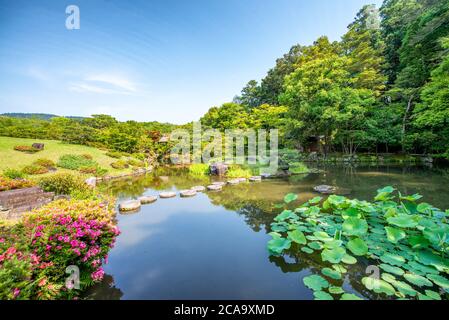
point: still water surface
(213, 246)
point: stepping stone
(266, 176)
(325, 189)
(147, 199)
(219, 183)
(166, 195)
(187, 193)
(234, 181)
(255, 179)
(242, 179)
(131, 205)
(214, 188)
(199, 188)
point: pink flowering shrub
(35, 253)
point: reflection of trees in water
(104, 290)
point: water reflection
(213, 246)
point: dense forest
(383, 88)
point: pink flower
(98, 274)
(16, 292)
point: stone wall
(15, 202)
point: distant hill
(43, 116)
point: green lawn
(9, 158)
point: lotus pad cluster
(397, 246)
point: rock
(214, 187)
(3, 208)
(199, 188)
(91, 182)
(147, 199)
(219, 183)
(325, 189)
(62, 197)
(187, 193)
(242, 179)
(166, 195)
(38, 146)
(313, 156)
(218, 169)
(234, 181)
(266, 176)
(131, 205)
(255, 179)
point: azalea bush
(26, 149)
(408, 241)
(75, 162)
(34, 169)
(35, 253)
(12, 184)
(62, 183)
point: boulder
(147, 199)
(325, 189)
(38, 146)
(218, 169)
(131, 205)
(199, 188)
(187, 193)
(214, 188)
(166, 195)
(91, 182)
(255, 179)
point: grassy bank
(10, 158)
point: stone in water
(131, 205)
(187, 193)
(147, 199)
(166, 195)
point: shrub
(136, 163)
(47, 163)
(13, 184)
(34, 253)
(14, 174)
(62, 183)
(94, 170)
(236, 171)
(74, 162)
(27, 149)
(87, 156)
(199, 169)
(298, 168)
(34, 169)
(115, 154)
(120, 164)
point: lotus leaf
(395, 235)
(417, 280)
(336, 290)
(297, 237)
(355, 226)
(331, 273)
(348, 259)
(439, 280)
(378, 286)
(404, 221)
(395, 270)
(321, 295)
(334, 255)
(315, 282)
(350, 296)
(392, 259)
(307, 250)
(358, 247)
(277, 245)
(290, 197)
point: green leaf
(348, 259)
(387, 189)
(339, 268)
(378, 286)
(297, 237)
(315, 282)
(358, 247)
(315, 245)
(321, 295)
(336, 290)
(403, 221)
(355, 226)
(395, 235)
(286, 214)
(334, 255)
(315, 200)
(350, 296)
(393, 259)
(417, 280)
(439, 280)
(395, 270)
(331, 273)
(404, 288)
(322, 236)
(433, 295)
(290, 197)
(277, 245)
(307, 250)
(424, 207)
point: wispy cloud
(104, 84)
(37, 73)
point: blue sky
(167, 61)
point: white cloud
(104, 84)
(37, 73)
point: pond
(213, 246)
